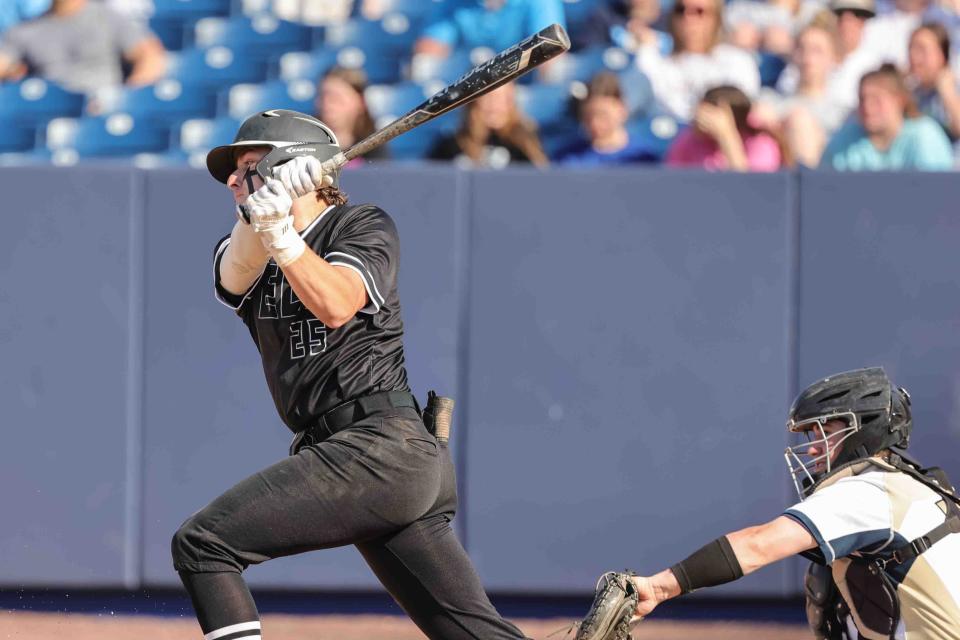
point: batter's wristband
(713, 564)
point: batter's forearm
(243, 260)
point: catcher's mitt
(613, 607)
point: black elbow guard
(713, 564)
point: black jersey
(310, 367)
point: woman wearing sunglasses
(700, 60)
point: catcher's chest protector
(862, 585)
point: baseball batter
(883, 533)
(315, 281)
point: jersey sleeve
(369, 245)
(231, 300)
(854, 514)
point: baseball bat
(505, 67)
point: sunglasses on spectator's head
(681, 9)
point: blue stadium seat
(170, 31)
(578, 12)
(263, 36)
(244, 100)
(214, 67)
(118, 134)
(771, 66)
(388, 102)
(16, 136)
(385, 35)
(37, 101)
(583, 65)
(658, 132)
(199, 136)
(167, 101)
(446, 70)
(380, 67)
(190, 8)
(547, 104)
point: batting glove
(302, 175)
(269, 209)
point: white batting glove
(302, 175)
(269, 209)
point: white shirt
(679, 81)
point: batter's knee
(196, 548)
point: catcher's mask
(288, 134)
(875, 415)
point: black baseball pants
(384, 485)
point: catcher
(883, 533)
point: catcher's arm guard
(614, 604)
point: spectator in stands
(853, 58)
(493, 133)
(724, 137)
(496, 24)
(888, 35)
(810, 115)
(770, 25)
(624, 23)
(15, 11)
(933, 82)
(891, 132)
(79, 45)
(603, 117)
(341, 106)
(699, 59)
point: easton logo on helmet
(299, 149)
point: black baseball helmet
(876, 413)
(288, 134)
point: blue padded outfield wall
(623, 346)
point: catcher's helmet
(288, 134)
(876, 413)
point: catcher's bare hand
(647, 597)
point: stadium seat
(170, 31)
(118, 134)
(578, 12)
(199, 136)
(446, 70)
(387, 103)
(585, 64)
(167, 101)
(380, 67)
(190, 9)
(771, 66)
(214, 67)
(263, 36)
(37, 101)
(386, 35)
(16, 136)
(658, 132)
(548, 105)
(244, 100)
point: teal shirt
(921, 145)
(470, 24)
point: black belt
(349, 413)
